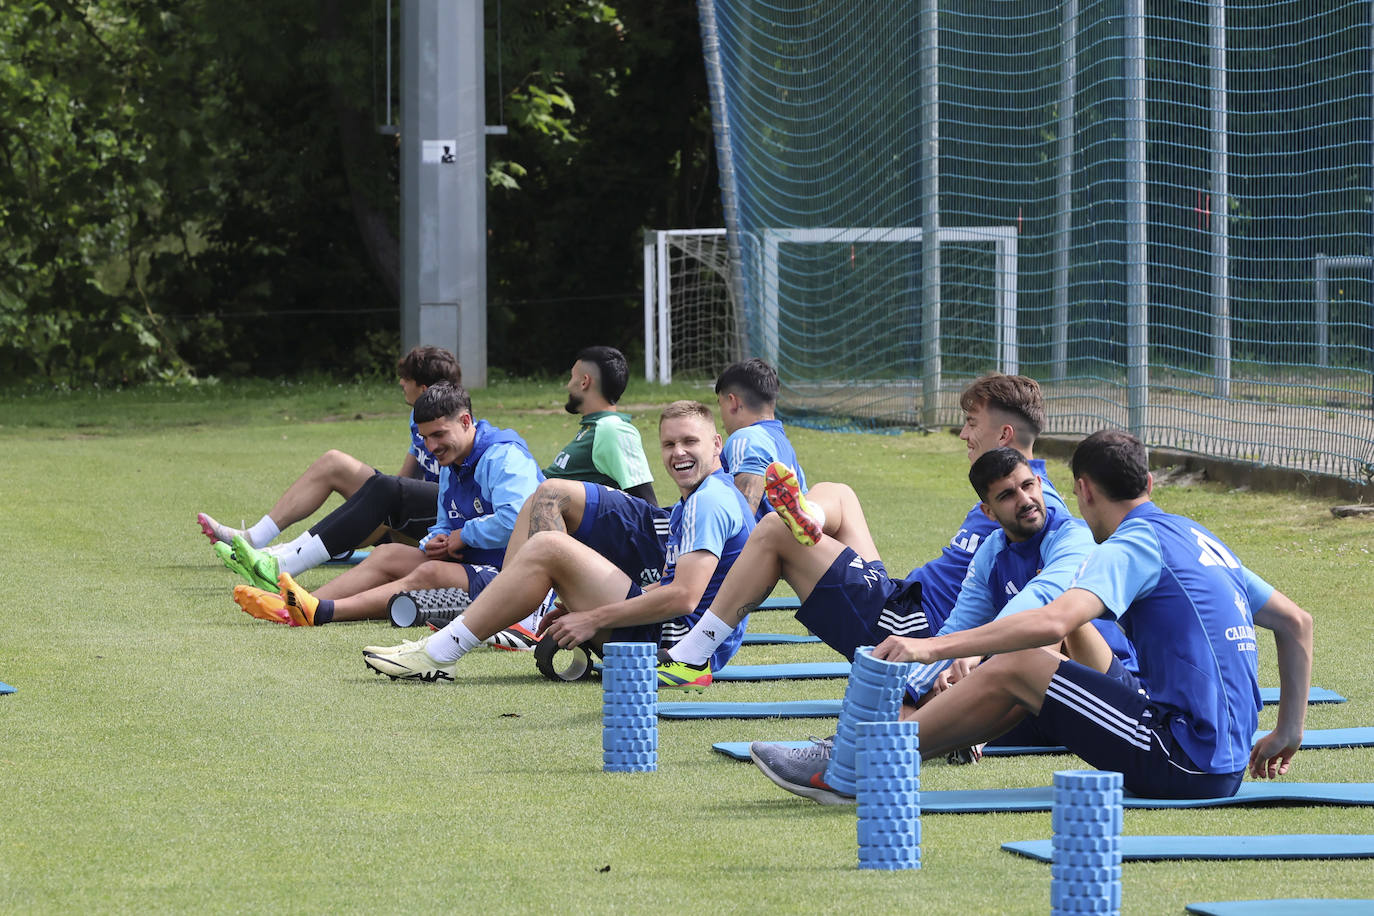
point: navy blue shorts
(1029, 733)
(625, 530)
(479, 577)
(642, 632)
(856, 604)
(1112, 725)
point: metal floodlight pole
(1219, 209)
(1137, 249)
(443, 181)
(930, 211)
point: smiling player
(708, 528)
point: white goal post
(691, 322)
(1003, 239)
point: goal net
(690, 324)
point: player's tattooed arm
(751, 485)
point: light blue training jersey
(750, 450)
(942, 578)
(1188, 607)
(714, 518)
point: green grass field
(165, 752)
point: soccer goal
(779, 246)
(691, 326)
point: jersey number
(1213, 552)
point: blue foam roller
(1087, 843)
(630, 694)
(866, 671)
(621, 720)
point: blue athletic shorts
(1028, 733)
(479, 577)
(643, 632)
(1111, 723)
(856, 604)
(625, 530)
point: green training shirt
(606, 450)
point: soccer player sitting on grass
(598, 602)
(487, 473)
(376, 504)
(747, 393)
(1028, 560)
(1190, 609)
(633, 535)
(848, 599)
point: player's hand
(959, 669)
(570, 629)
(558, 610)
(455, 545)
(1273, 754)
(904, 649)
(436, 548)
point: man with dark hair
(403, 503)
(1028, 560)
(747, 393)
(599, 602)
(822, 546)
(1190, 610)
(486, 475)
(607, 449)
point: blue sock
(325, 612)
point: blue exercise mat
(785, 603)
(1297, 906)
(349, 559)
(1313, 738)
(800, 671)
(820, 709)
(776, 639)
(969, 801)
(1278, 846)
(5, 688)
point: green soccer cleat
(225, 552)
(411, 663)
(680, 675)
(260, 566)
(806, 520)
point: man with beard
(607, 449)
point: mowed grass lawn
(165, 752)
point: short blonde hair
(687, 409)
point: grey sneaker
(799, 770)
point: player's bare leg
(386, 563)
(332, 472)
(557, 505)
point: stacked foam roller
(629, 707)
(889, 764)
(1086, 863)
(874, 694)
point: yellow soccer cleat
(300, 604)
(784, 494)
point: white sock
(305, 552)
(263, 533)
(702, 641)
(451, 643)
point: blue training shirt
(714, 518)
(1006, 577)
(1187, 606)
(482, 496)
(428, 463)
(943, 577)
(750, 450)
